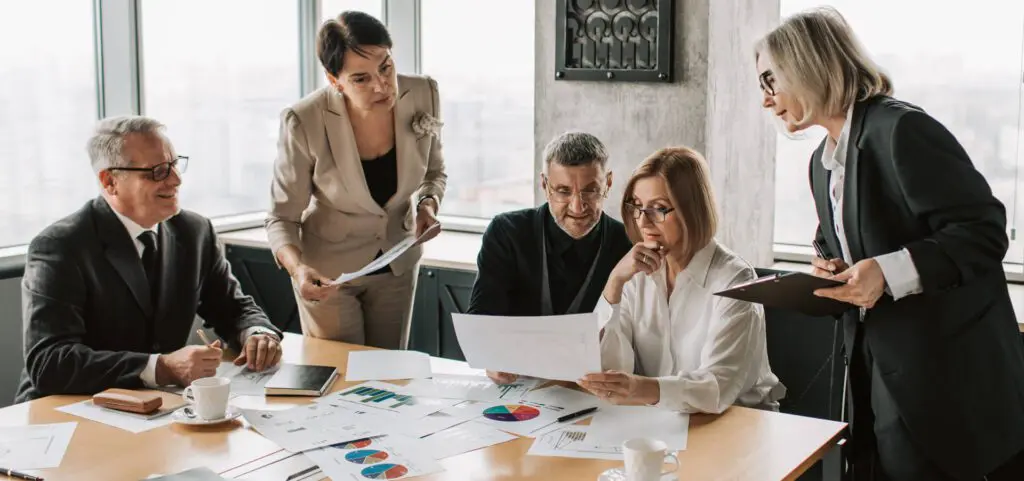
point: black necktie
(150, 262)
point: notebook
(301, 380)
(790, 290)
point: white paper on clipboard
(386, 258)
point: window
(331, 8)
(218, 74)
(967, 77)
(486, 103)
(47, 109)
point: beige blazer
(320, 201)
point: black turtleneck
(569, 261)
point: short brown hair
(685, 173)
(351, 30)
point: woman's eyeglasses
(161, 171)
(767, 82)
(654, 214)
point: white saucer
(181, 416)
(619, 474)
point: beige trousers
(373, 311)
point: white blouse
(707, 352)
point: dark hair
(352, 30)
(575, 148)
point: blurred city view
(219, 73)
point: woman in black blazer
(936, 365)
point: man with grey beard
(556, 258)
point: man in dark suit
(110, 292)
(556, 258)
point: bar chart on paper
(383, 397)
(386, 396)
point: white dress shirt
(901, 277)
(707, 352)
(148, 375)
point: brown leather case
(126, 400)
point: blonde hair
(685, 173)
(818, 60)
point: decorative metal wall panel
(614, 40)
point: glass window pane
(968, 80)
(331, 8)
(486, 101)
(218, 74)
(47, 110)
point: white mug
(645, 457)
(210, 396)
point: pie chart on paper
(366, 456)
(359, 443)
(385, 471)
(511, 413)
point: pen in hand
(820, 252)
(202, 335)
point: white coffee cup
(645, 458)
(210, 396)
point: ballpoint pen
(16, 475)
(577, 414)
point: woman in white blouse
(667, 340)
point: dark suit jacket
(950, 357)
(89, 321)
(508, 280)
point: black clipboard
(790, 290)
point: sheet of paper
(245, 382)
(440, 365)
(195, 474)
(385, 258)
(465, 438)
(386, 457)
(562, 399)
(36, 446)
(278, 466)
(571, 442)
(316, 425)
(612, 425)
(381, 365)
(439, 421)
(563, 348)
(470, 388)
(385, 396)
(133, 424)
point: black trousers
(881, 448)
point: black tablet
(790, 290)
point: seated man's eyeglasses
(564, 196)
(161, 171)
(654, 214)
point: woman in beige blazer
(359, 169)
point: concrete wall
(712, 106)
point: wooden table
(741, 444)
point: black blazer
(508, 279)
(89, 321)
(951, 357)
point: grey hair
(107, 142)
(575, 148)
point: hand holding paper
(388, 257)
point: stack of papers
(385, 457)
(316, 425)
